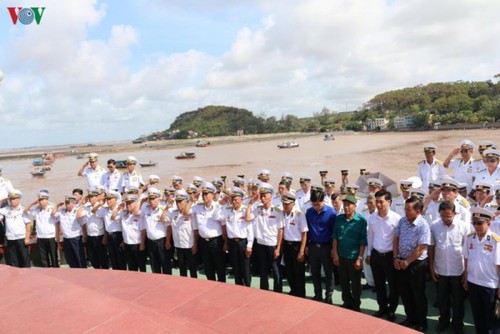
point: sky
(102, 70)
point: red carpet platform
(78, 300)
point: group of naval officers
(439, 226)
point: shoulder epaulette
(421, 162)
(229, 207)
(277, 208)
(471, 234)
(298, 212)
(495, 236)
(477, 159)
(482, 170)
(439, 162)
(464, 203)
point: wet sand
(394, 154)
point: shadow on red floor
(79, 300)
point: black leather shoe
(366, 286)
(317, 298)
(442, 326)
(391, 316)
(406, 323)
(379, 313)
(420, 328)
(329, 300)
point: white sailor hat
(405, 185)
(235, 191)
(485, 144)
(481, 186)
(15, 194)
(467, 144)
(92, 157)
(154, 178)
(131, 160)
(132, 190)
(113, 194)
(352, 187)
(433, 184)
(169, 191)
(418, 192)
(328, 182)
(130, 198)
(176, 179)
(287, 176)
(92, 192)
(217, 182)
(100, 189)
(266, 188)
(264, 172)
(449, 183)
(429, 147)
(43, 194)
(492, 153)
(288, 198)
(238, 181)
(197, 180)
(317, 187)
(305, 179)
(208, 187)
(462, 186)
(481, 215)
(181, 195)
(154, 192)
(254, 183)
(69, 198)
(373, 182)
(191, 189)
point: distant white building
(380, 123)
(403, 122)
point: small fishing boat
(37, 172)
(186, 155)
(148, 164)
(288, 144)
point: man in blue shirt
(320, 221)
(411, 238)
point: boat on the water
(288, 144)
(37, 172)
(202, 143)
(121, 164)
(148, 164)
(186, 155)
(328, 137)
(37, 162)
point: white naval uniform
(463, 171)
(448, 242)
(294, 225)
(150, 221)
(132, 180)
(236, 225)
(130, 228)
(483, 257)
(45, 223)
(432, 212)
(484, 176)
(303, 200)
(398, 205)
(15, 221)
(5, 188)
(94, 176)
(266, 225)
(183, 228)
(110, 225)
(113, 181)
(94, 221)
(432, 172)
(206, 220)
(477, 165)
(71, 226)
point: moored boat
(186, 155)
(148, 164)
(288, 144)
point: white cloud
(86, 68)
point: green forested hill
(445, 103)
